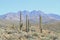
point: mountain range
(33, 16)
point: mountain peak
(33, 16)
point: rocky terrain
(13, 33)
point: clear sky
(47, 6)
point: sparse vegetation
(10, 32)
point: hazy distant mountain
(57, 17)
(33, 16)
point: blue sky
(47, 6)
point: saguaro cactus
(40, 23)
(21, 24)
(27, 24)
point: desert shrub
(34, 34)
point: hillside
(55, 26)
(33, 16)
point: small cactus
(13, 26)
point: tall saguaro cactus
(40, 23)
(21, 24)
(27, 24)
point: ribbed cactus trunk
(21, 24)
(40, 23)
(27, 24)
